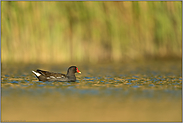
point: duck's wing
(51, 74)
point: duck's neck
(71, 77)
(70, 73)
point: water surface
(105, 92)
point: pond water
(148, 91)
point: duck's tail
(36, 73)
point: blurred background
(92, 32)
(129, 54)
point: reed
(60, 32)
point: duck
(52, 76)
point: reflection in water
(129, 92)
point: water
(106, 92)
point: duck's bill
(78, 71)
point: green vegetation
(59, 32)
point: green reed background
(60, 32)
